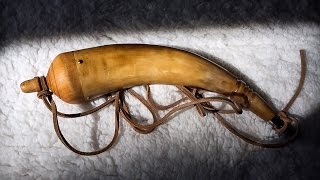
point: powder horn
(79, 76)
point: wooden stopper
(31, 85)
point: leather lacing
(194, 97)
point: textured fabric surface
(265, 55)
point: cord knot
(44, 93)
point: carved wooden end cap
(31, 85)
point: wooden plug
(31, 85)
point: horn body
(79, 76)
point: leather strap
(193, 95)
(303, 72)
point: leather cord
(194, 97)
(303, 72)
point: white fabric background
(188, 146)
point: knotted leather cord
(195, 97)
